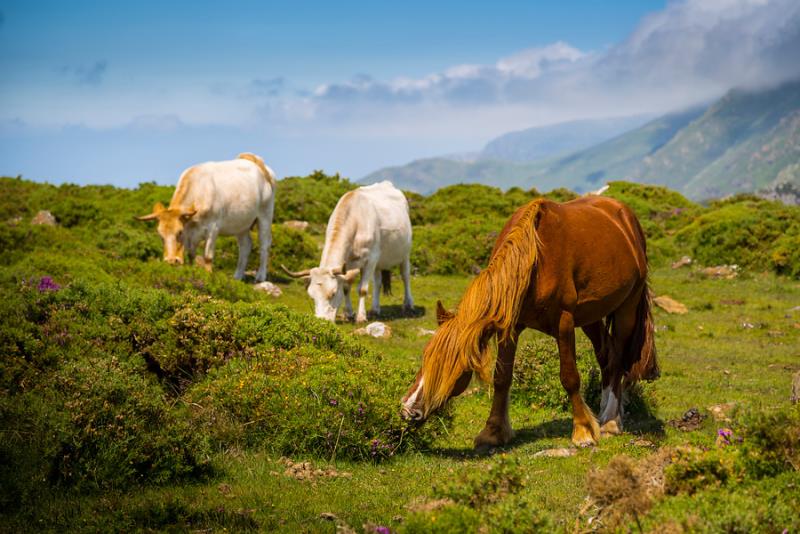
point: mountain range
(748, 140)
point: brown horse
(554, 267)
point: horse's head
(443, 375)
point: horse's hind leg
(498, 430)
(614, 369)
(585, 430)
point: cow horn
(340, 270)
(298, 274)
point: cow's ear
(442, 314)
(350, 275)
(157, 209)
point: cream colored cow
(219, 198)
(369, 232)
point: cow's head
(325, 287)
(171, 223)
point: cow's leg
(408, 302)
(363, 288)
(498, 430)
(376, 293)
(264, 242)
(245, 246)
(211, 242)
(585, 430)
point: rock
(376, 329)
(725, 272)
(670, 305)
(691, 420)
(556, 453)
(720, 411)
(301, 226)
(684, 261)
(796, 388)
(269, 288)
(45, 218)
(425, 332)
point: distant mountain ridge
(748, 140)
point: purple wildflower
(333, 402)
(47, 284)
(380, 529)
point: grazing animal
(555, 267)
(369, 232)
(219, 198)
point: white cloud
(691, 51)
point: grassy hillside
(138, 396)
(741, 143)
(745, 142)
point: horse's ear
(442, 315)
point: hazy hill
(511, 159)
(534, 144)
(745, 141)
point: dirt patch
(556, 453)
(307, 471)
(691, 420)
(721, 412)
(421, 505)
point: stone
(44, 218)
(720, 411)
(684, 261)
(556, 453)
(726, 272)
(425, 332)
(796, 388)
(670, 305)
(300, 226)
(376, 329)
(269, 288)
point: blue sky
(113, 92)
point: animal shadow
(396, 311)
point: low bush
(310, 198)
(482, 501)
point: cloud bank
(690, 52)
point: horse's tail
(640, 351)
(386, 281)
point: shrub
(745, 232)
(482, 501)
(693, 470)
(310, 198)
(459, 246)
(771, 443)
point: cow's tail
(268, 174)
(386, 281)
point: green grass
(220, 469)
(707, 357)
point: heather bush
(310, 198)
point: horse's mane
(490, 306)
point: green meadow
(138, 396)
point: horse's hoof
(611, 428)
(582, 436)
(490, 438)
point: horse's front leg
(497, 431)
(585, 430)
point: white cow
(369, 232)
(219, 198)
